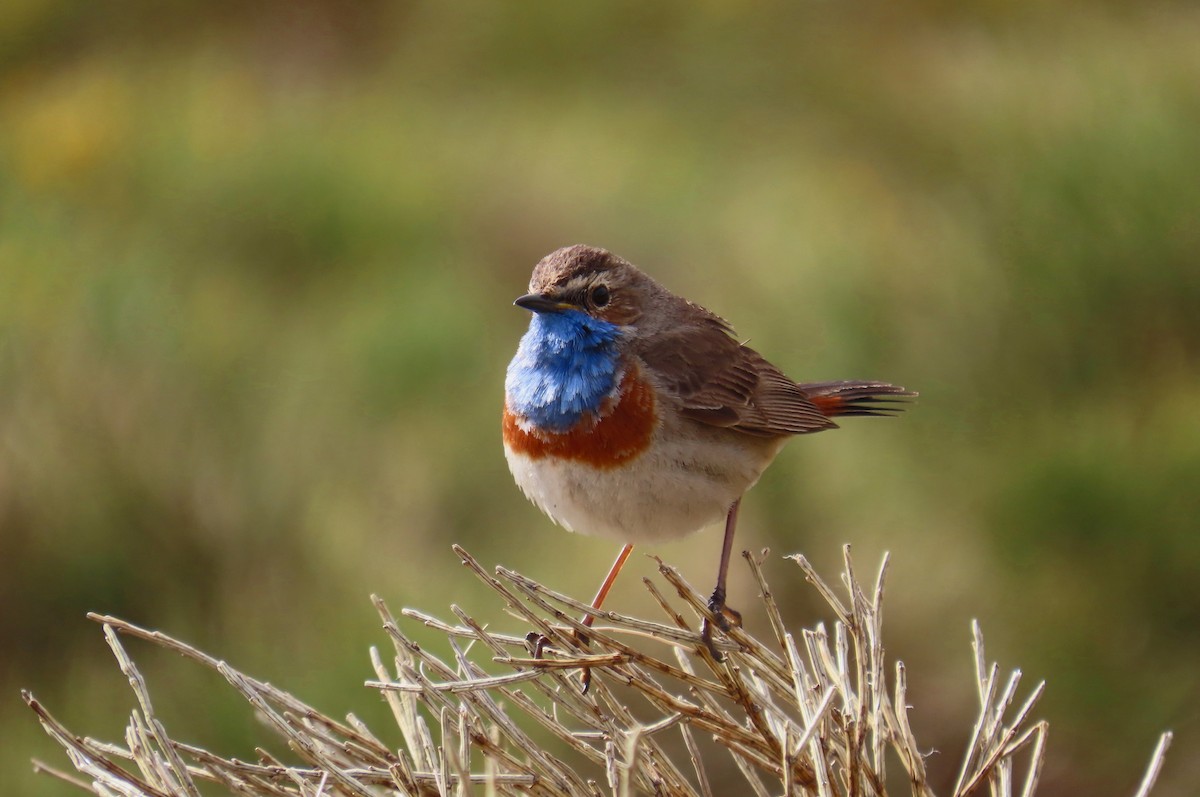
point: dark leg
(716, 604)
(601, 594)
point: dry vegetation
(807, 714)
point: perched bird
(632, 413)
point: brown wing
(723, 383)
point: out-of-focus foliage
(255, 270)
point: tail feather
(863, 399)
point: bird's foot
(726, 618)
(537, 644)
(585, 674)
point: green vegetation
(255, 274)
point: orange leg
(585, 678)
(602, 593)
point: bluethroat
(634, 414)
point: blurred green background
(256, 266)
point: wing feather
(723, 383)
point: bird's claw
(726, 618)
(585, 674)
(537, 643)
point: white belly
(667, 492)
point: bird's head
(588, 280)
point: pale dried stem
(800, 713)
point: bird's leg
(605, 586)
(726, 617)
(601, 594)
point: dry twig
(809, 714)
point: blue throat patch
(565, 366)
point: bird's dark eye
(599, 296)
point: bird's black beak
(541, 304)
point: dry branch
(807, 714)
